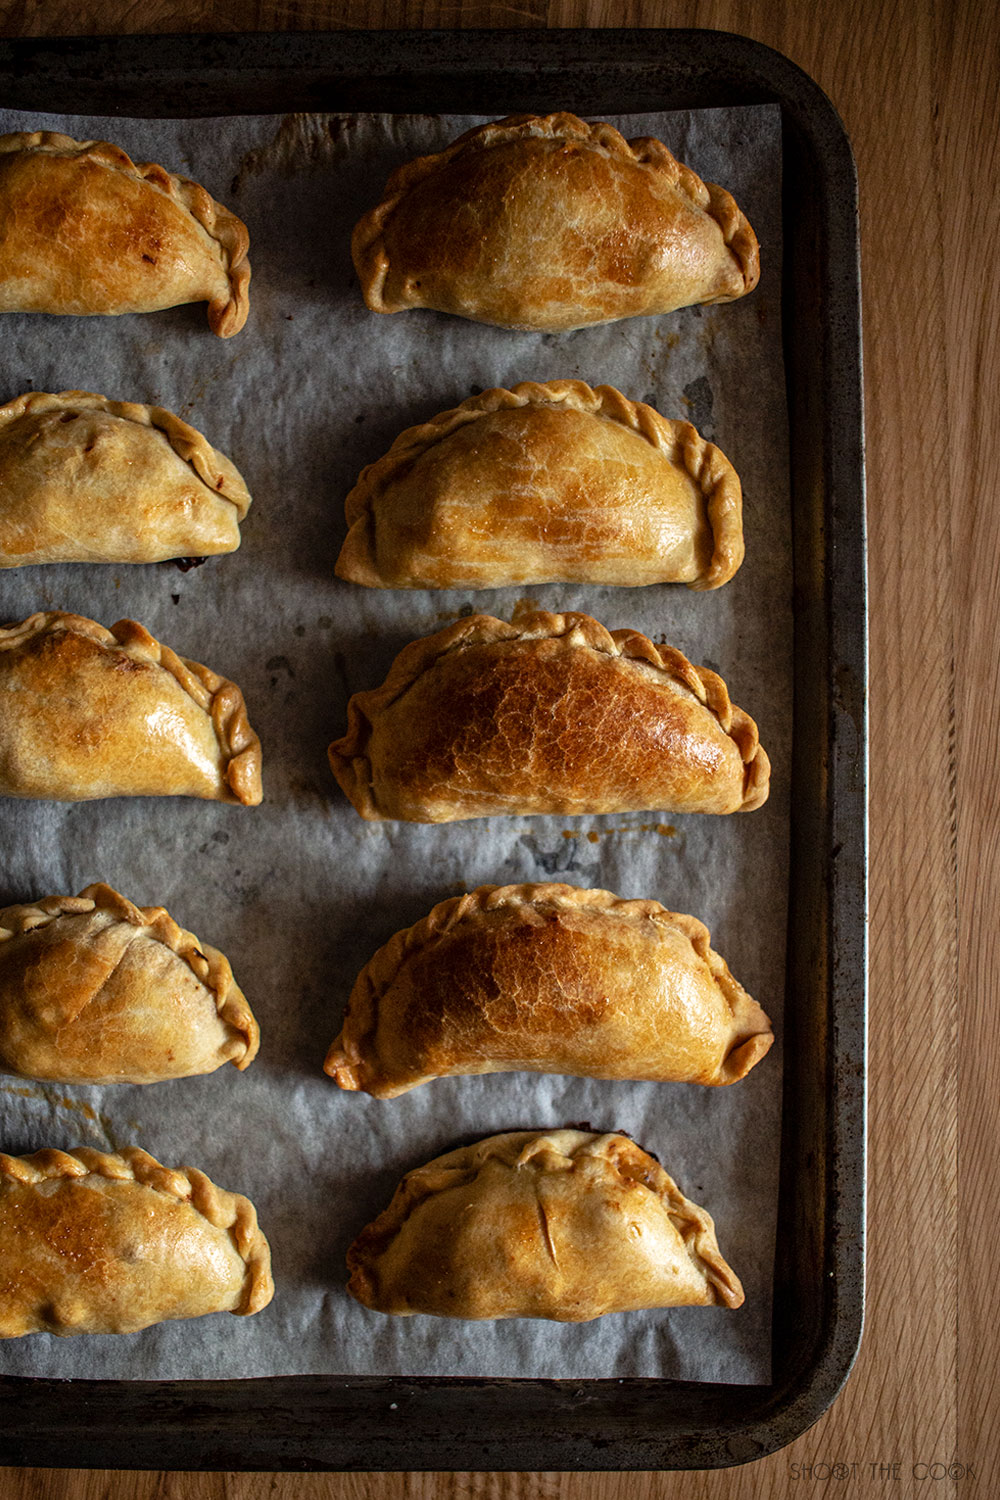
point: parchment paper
(299, 892)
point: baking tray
(315, 1423)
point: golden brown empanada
(96, 1243)
(87, 712)
(547, 979)
(560, 1224)
(85, 479)
(84, 230)
(96, 990)
(550, 714)
(545, 483)
(546, 222)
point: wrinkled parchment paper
(299, 892)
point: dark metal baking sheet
(323, 1423)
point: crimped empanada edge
(218, 1206)
(348, 755)
(209, 966)
(368, 250)
(693, 1223)
(219, 223)
(346, 1060)
(678, 441)
(212, 468)
(221, 699)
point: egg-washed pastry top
(549, 714)
(546, 482)
(94, 989)
(548, 979)
(87, 712)
(560, 1224)
(96, 1242)
(85, 479)
(85, 230)
(547, 222)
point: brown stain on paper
(302, 142)
(665, 830)
(58, 1102)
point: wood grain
(917, 85)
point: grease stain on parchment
(665, 830)
(99, 1122)
(301, 143)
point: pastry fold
(547, 222)
(98, 1243)
(85, 230)
(547, 979)
(545, 483)
(550, 714)
(85, 479)
(87, 712)
(94, 989)
(564, 1224)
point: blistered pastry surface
(552, 223)
(88, 231)
(550, 481)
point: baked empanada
(87, 712)
(85, 230)
(547, 979)
(545, 483)
(96, 990)
(560, 1224)
(546, 222)
(550, 714)
(97, 1243)
(85, 479)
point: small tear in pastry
(94, 989)
(547, 979)
(549, 714)
(548, 482)
(87, 712)
(545, 222)
(92, 1242)
(564, 1224)
(88, 231)
(85, 479)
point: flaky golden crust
(85, 230)
(546, 482)
(110, 1243)
(550, 223)
(549, 714)
(564, 1224)
(547, 978)
(81, 710)
(94, 989)
(86, 479)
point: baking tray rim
(683, 68)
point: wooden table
(917, 85)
